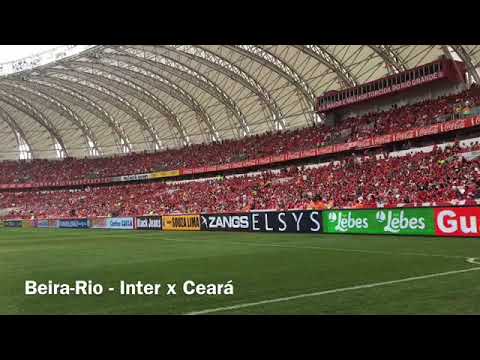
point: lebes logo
(457, 221)
(344, 222)
(386, 221)
(395, 221)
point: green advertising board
(419, 221)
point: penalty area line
(333, 291)
(474, 261)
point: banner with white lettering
(226, 222)
(124, 223)
(458, 222)
(148, 223)
(73, 223)
(288, 221)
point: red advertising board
(405, 135)
(293, 155)
(325, 150)
(236, 165)
(456, 221)
(278, 158)
(265, 160)
(308, 153)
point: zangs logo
(397, 222)
(457, 221)
(227, 222)
(347, 222)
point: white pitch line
(473, 261)
(246, 243)
(333, 291)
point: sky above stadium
(15, 52)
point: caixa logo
(457, 221)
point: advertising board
(302, 221)
(226, 222)
(463, 222)
(408, 221)
(73, 223)
(42, 223)
(120, 223)
(53, 223)
(162, 174)
(13, 223)
(181, 222)
(268, 221)
(98, 223)
(148, 223)
(28, 224)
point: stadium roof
(107, 100)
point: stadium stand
(349, 177)
(438, 176)
(351, 129)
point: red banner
(464, 222)
(343, 147)
(405, 135)
(308, 153)
(236, 165)
(265, 160)
(221, 167)
(325, 150)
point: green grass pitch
(270, 272)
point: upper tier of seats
(396, 119)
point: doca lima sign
(181, 222)
(418, 221)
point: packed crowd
(441, 175)
(396, 119)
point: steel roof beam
(390, 57)
(24, 106)
(16, 129)
(277, 65)
(218, 63)
(130, 108)
(60, 108)
(87, 104)
(465, 57)
(320, 54)
(191, 76)
(91, 83)
(139, 71)
(194, 77)
(112, 75)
